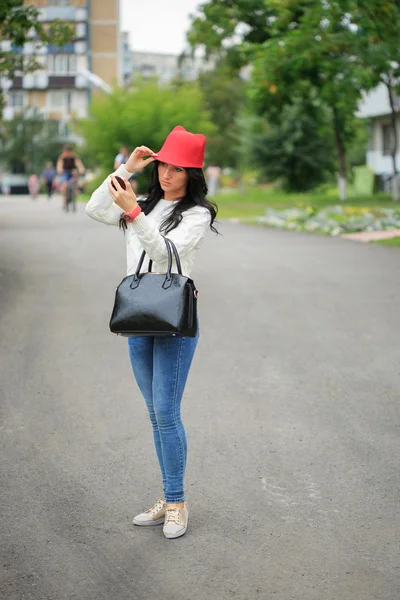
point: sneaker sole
(148, 523)
(171, 536)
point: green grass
(253, 202)
(83, 197)
(390, 242)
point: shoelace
(157, 507)
(173, 515)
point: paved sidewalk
(372, 236)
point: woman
(177, 207)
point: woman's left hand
(125, 199)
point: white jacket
(143, 233)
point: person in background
(67, 162)
(121, 159)
(48, 176)
(33, 186)
(213, 173)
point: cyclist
(67, 163)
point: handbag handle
(176, 255)
(167, 282)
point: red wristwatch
(129, 217)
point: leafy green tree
(141, 115)
(28, 141)
(298, 50)
(230, 28)
(19, 24)
(297, 151)
(224, 97)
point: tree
(142, 115)
(19, 24)
(224, 98)
(304, 51)
(229, 28)
(312, 59)
(297, 151)
(28, 141)
(378, 25)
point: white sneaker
(176, 520)
(154, 516)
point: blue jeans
(161, 367)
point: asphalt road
(291, 410)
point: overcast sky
(157, 25)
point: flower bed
(333, 220)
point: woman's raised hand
(125, 198)
(137, 160)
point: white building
(165, 66)
(127, 59)
(376, 107)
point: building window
(66, 49)
(388, 140)
(35, 99)
(17, 99)
(147, 70)
(60, 2)
(81, 30)
(57, 98)
(17, 49)
(60, 99)
(61, 64)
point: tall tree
(312, 57)
(297, 151)
(19, 24)
(224, 97)
(303, 50)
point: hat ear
(179, 128)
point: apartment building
(163, 66)
(127, 59)
(62, 88)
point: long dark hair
(196, 193)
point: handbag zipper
(190, 315)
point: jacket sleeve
(101, 206)
(189, 233)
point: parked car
(12, 183)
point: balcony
(65, 13)
(61, 81)
(65, 49)
(35, 81)
(17, 82)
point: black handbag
(156, 304)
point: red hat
(183, 149)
